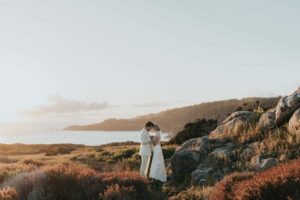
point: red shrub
(278, 183)
(76, 181)
(8, 194)
(126, 179)
(223, 190)
(116, 192)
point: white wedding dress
(158, 169)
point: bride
(157, 170)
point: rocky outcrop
(201, 175)
(250, 151)
(208, 159)
(233, 123)
(267, 163)
(258, 163)
(224, 153)
(190, 154)
(267, 121)
(200, 145)
(294, 123)
(286, 107)
(183, 162)
(168, 162)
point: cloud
(60, 105)
(151, 104)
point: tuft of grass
(193, 193)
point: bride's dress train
(158, 170)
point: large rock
(267, 121)
(224, 153)
(294, 122)
(195, 144)
(267, 163)
(232, 123)
(183, 162)
(250, 151)
(286, 107)
(168, 162)
(200, 176)
(206, 175)
(258, 163)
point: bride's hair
(156, 127)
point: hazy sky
(85, 61)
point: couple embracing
(157, 169)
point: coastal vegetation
(67, 171)
(199, 128)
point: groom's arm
(145, 139)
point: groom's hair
(149, 124)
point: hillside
(250, 155)
(174, 120)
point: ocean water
(75, 137)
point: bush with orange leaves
(9, 194)
(117, 192)
(74, 181)
(277, 183)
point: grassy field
(67, 171)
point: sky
(81, 62)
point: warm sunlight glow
(20, 89)
(159, 99)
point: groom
(145, 150)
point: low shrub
(29, 149)
(116, 192)
(74, 181)
(4, 159)
(32, 162)
(223, 190)
(12, 169)
(168, 151)
(277, 183)
(51, 153)
(196, 129)
(9, 194)
(124, 154)
(127, 143)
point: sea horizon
(87, 138)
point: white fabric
(145, 166)
(158, 169)
(145, 149)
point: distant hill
(173, 120)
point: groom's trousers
(145, 165)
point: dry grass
(193, 193)
(87, 172)
(24, 149)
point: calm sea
(75, 137)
